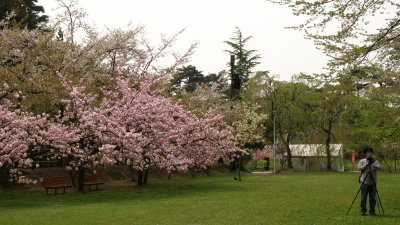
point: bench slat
(92, 183)
(56, 181)
(90, 179)
(57, 186)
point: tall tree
(187, 78)
(245, 59)
(281, 100)
(357, 39)
(330, 108)
(29, 59)
(27, 13)
(378, 122)
(284, 102)
(329, 104)
(249, 128)
(288, 111)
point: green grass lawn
(298, 198)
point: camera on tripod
(370, 161)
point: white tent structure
(312, 157)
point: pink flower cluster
(262, 153)
(18, 134)
(259, 154)
(150, 130)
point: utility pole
(273, 107)
(274, 151)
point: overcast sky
(210, 22)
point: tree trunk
(132, 174)
(140, 178)
(169, 176)
(328, 145)
(391, 158)
(208, 171)
(289, 156)
(146, 173)
(289, 153)
(239, 167)
(286, 141)
(193, 173)
(72, 175)
(4, 177)
(328, 155)
(233, 165)
(81, 174)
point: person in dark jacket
(368, 183)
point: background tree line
(356, 103)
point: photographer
(368, 184)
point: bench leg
(55, 190)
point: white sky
(211, 22)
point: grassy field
(297, 198)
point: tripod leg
(357, 194)
(379, 203)
(374, 194)
(354, 200)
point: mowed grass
(298, 198)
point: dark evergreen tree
(245, 59)
(27, 13)
(189, 78)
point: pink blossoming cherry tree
(18, 136)
(132, 124)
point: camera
(370, 160)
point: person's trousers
(366, 190)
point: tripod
(379, 203)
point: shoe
(363, 214)
(372, 214)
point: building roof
(312, 150)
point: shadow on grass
(158, 190)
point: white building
(312, 157)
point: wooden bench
(91, 179)
(54, 183)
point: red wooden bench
(54, 183)
(91, 179)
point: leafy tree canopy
(365, 31)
